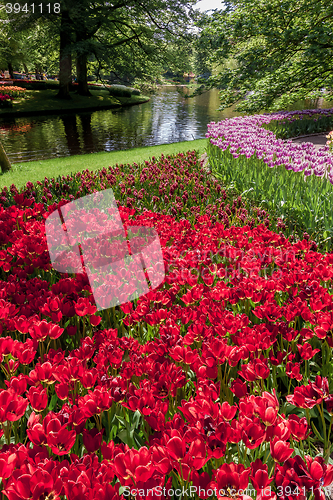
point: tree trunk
(81, 69)
(11, 71)
(39, 72)
(4, 162)
(65, 61)
(25, 69)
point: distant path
(318, 140)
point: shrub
(37, 84)
(119, 91)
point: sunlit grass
(33, 171)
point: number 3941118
(42, 8)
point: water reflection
(72, 134)
(167, 117)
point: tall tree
(65, 53)
(282, 51)
(11, 46)
(142, 30)
(33, 34)
(129, 34)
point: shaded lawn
(40, 101)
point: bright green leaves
(283, 52)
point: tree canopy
(271, 54)
(125, 36)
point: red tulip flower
(61, 442)
(134, 465)
(230, 479)
(12, 406)
(306, 351)
(38, 398)
(298, 427)
(92, 439)
(280, 450)
(259, 475)
(239, 388)
(253, 434)
(228, 412)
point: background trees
(29, 46)
(278, 51)
(124, 36)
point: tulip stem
(329, 429)
(181, 472)
(306, 370)
(274, 376)
(108, 315)
(8, 431)
(272, 469)
(302, 447)
(244, 454)
(321, 411)
(48, 345)
(41, 350)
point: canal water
(167, 117)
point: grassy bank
(34, 171)
(38, 102)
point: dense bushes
(115, 90)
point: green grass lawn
(43, 101)
(34, 171)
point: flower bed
(218, 379)
(36, 84)
(171, 186)
(293, 178)
(12, 91)
(286, 124)
(6, 101)
(116, 90)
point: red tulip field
(216, 384)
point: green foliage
(126, 38)
(303, 202)
(27, 46)
(285, 129)
(282, 49)
(119, 91)
(145, 40)
(38, 84)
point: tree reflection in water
(167, 117)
